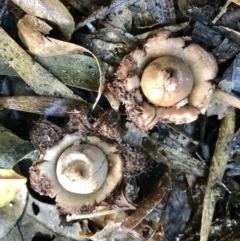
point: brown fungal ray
(119, 198)
(78, 120)
(134, 162)
(45, 135)
(109, 126)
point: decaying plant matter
(167, 80)
(83, 165)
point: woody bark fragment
(38, 78)
(103, 11)
(219, 161)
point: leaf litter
(179, 159)
(53, 11)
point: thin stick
(218, 165)
(222, 11)
(226, 98)
(72, 217)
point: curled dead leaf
(51, 10)
(10, 184)
(30, 31)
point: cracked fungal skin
(165, 81)
(71, 157)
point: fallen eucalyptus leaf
(10, 184)
(30, 32)
(75, 70)
(218, 165)
(11, 213)
(40, 80)
(6, 69)
(12, 148)
(51, 10)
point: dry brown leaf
(51, 10)
(10, 184)
(30, 32)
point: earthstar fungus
(47, 178)
(165, 81)
(86, 164)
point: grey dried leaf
(12, 148)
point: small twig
(222, 11)
(72, 217)
(226, 98)
(103, 11)
(3, 10)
